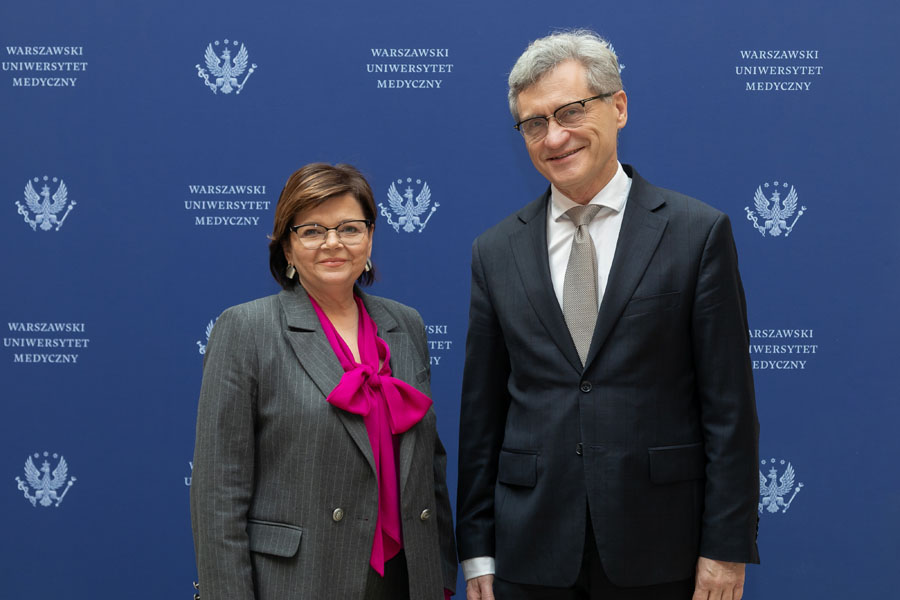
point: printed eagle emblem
(45, 487)
(209, 329)
(225, 71)
(775, 217)
(409, 213)
(771, 494)
(45, 211)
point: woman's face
(332, 265)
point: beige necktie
(580, 284)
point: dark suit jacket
(274, 461)
(657, 434)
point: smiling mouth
(566, 155)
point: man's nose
(556, 134)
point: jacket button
(579, 449)
(586, 386)
(426, 514)
(338, 514)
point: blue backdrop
(138, 193)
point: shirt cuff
(478, 566)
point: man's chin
(562, 178)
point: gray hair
(543, 54)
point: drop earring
(290, 271)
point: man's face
(578, 161)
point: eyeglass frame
(295, 228)
(547, 118)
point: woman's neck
(344, 316)
(340, 305)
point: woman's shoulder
(252, 313)
(397, 309)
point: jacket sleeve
(483, 408)
(441, 493)
(222, 478)
(724, 375)
(444, 516)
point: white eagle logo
(225, 70)
(409, 213)
(45, 487)
(775, 216)
(46, 210)
(613, 50)
(772, 493)
(209, 329)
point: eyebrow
(559, 106)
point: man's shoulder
(514, 221)
(671, 202)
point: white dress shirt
(604, 230)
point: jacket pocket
(517, 467)
(684, 462)
(650, 304)
(278, 539)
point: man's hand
(718, 580)
(480, 588)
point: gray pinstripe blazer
(274, 461)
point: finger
(716, 593)
(732, 590)
(700, 594)
(487, 588)
(473, 592)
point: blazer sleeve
(222, 478)
(483, 409)
(444, 516)
(720, 337)
(441, 493)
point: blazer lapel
(638, 238)
(529, 248)
(304, 333)
(403, 366)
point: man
(608, 434)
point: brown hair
(308, 188)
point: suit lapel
(304, 333)
(529, 248)
(403, 366)
(638, 238)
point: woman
(318, 472)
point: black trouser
(395, 583)
(593, 584)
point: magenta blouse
(389, 407)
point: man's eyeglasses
(350, 233)
(570, 115)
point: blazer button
(579, 449)
(586, 386)
(338, 514)
(426, 514)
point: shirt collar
(613, 195)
